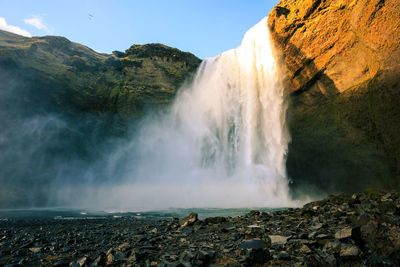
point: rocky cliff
(342, 65)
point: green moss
(81, 79)
(374, 193)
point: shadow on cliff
(334, 143)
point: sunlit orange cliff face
(341, 61)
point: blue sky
(203, 27)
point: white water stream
(224, 141)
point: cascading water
(224, 141)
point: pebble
(344, 233)
(253, 244)
(349, 251)
(278, 240)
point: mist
(222, 143)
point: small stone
(131, 256)
(312, 235)
(386, 197)
(253, 213)
(123, 247)
(110, 258)
(82, 261)
(344, 233)
(305, 249)
(99, 261)
(36, 250)
(253, 244)
(322, 239)
(332, 246)
(349, 251)
(330, 260)
(278, 240)
(317, 226)
(283, 255)
(322, 236)
(254, 231)
(109, 251)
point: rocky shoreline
(358, 230)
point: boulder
(189, 220)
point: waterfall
(222, 143)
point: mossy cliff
(64, 107)
(80, 79)
(341, 61)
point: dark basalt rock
(337, 233)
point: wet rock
(253, 244)
(283, 255)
